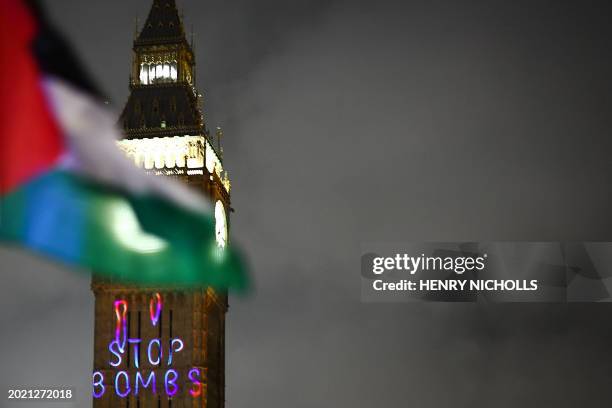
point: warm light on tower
(175, 152)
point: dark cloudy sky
(356, 121)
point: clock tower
(166, 135)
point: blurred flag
(68, 192)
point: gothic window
(137, 107)
(151, 73)
(155, 106)
(144, 73)
(193, 150)
(173, 71)
(173, 104)
(181, 119)
(143, 123)
(166, 71)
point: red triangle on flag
(30, 139)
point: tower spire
(163, 98)
(163, 24)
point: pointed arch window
(173, 75)
(151, 73)
(144, 74)
(163, 70)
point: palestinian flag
(68, 192)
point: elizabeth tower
(165, 134)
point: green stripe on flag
(131, 239)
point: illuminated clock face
(220, 224)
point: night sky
(350, 122)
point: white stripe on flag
(91, 134)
